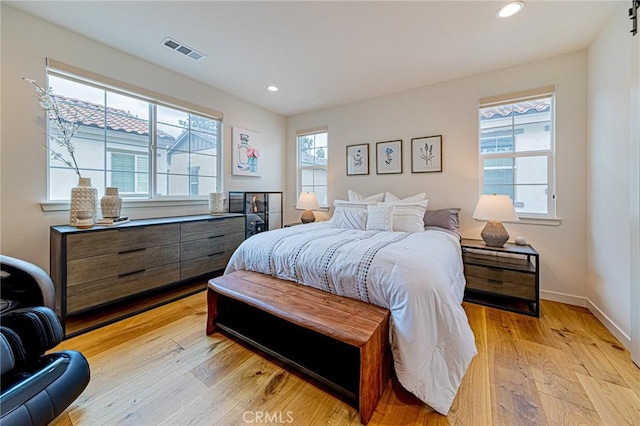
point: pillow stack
(371, 213)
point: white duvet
(417, 276)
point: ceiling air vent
(185, 50)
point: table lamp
(307, 201)
(495, 209)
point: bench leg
(212, 310)
(374, 372)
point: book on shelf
(110, 221)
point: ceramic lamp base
(307, 217)
(494, 234)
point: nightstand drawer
(503, 275)
(501, 288)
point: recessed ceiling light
(272, 88)
(510, 9)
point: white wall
(450, 109)
(26, 42)
(608, 206)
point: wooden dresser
(96, 267)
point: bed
(417, 276)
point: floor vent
(185, 50)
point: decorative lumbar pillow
(391, 198)
(350, 215)
(379, 218)
(354, 196)
(443, 219)
(408, 217)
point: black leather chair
(36, 387)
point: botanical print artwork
(358, 159)
(246, 150)
(389, 157)
(426, 154)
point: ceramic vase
(111, 203)
(83, 197)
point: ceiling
(323, 54)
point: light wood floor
(159, 367)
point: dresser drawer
(89, 244)
(211, 245)
(204, 265)
(503, 275)
(126, 262)
(88, 295)
(501, 288)
(212, 228)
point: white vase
(111, 203)
(83, 197)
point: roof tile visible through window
(520, 108)
(93, 115)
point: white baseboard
(586, 303)
(610, 325)
(563, 298)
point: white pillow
(336, 203)
(354, 196)
(379, 218)
(391, 198)
(408, 217)
(349, 215)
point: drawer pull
(216, 253)
(131, 273)
(495, 281)
(216, 236)
(132, 251)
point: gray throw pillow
(443, 219)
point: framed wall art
(389, 157)
(358, 159)
(246, 150)
(426, 154)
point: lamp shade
(495, 207)
(307, 201)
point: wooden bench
(342, 342)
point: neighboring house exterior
(113, 147)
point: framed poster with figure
(246, 150)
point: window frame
(313, 168)
(154, 100)
(550, 154)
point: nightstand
(502, 277)
(292, 224)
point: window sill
(546, 221)
(60, 206)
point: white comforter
(417, 276)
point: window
(145, 148)
(517, 152)
(312, 163)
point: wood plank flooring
(160, 368)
